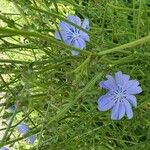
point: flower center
(119, 94)
(76, 35)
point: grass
(56, 94)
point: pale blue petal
(84, 36)
(128, 109)
(31, 139)
(126, 79)
(132, 100)
(121, 79)
(135, 90)
(105, 102)
(67, 38)
(132, 87)
(82, 43)
(105, 85)
(115, 111)
(75, 44)
(109, 84)
(74, 19)
(121, 110)
(85, 24)
(23, 128)
(63, 26)
(118, 111)
(79, 43)
(133, 83)
(57, 35)
(68, 41)
(65, 35)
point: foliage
(55, 93)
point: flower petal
(75, 44)
(63, 26)
(23, 128)
(85, 24)
(121, 79)
(31, 139)
(121, 110)
(108, 84)
(118, 111)
(105, 102)
(135, 90)
(68, 41)
(128, 109)
(132, 87)
(132, 100)
(79, 43)
(66, 36)
(84, 36)
(132, 83)
(57, 35)
(74, 19)
(115, 112)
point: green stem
(42, 128)
(125, 46)
(10, 22)
(14, 61)
(7, 130)
(138, 20)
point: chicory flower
(120, 96)
(71, 35)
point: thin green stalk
(8, 128)
(42, 128)
(139, 19)
(14, 61)
(7, 86)
(9, 22)
(125, 46)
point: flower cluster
(120, 95)
(24, 129)
(71, 35)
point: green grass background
(56, 94)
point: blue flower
(4, 148)
(71, 35)
(23, 128)
(31, 139)
(120, 95)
